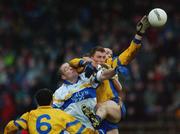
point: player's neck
(74, 80)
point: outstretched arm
(128, 55)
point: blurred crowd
(36, 36)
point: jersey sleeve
(92, 80)
(22, 121)
(98, 75)
(57, 101)
(127, 56)
(11, 128)
(75, 63)
(75, 126)
(15, 125)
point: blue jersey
(70, 97)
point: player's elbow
(10, 128)
(125, 62)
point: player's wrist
(139, 34)
(137, 38)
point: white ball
(157, 17)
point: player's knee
(114, 114)
(114, 120)
(119, 113)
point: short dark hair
(94, 50)
(43, 97)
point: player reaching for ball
(110, 107)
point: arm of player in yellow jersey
(15, 125)
(76, 63)
(79, 62)
(128, 55)
(11, 128)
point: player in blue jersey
(78, 90)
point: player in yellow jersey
(44, 119)
(107, 95)
(111, 109)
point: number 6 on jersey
(41, 126)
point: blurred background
(36, 36)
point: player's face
(99, 57)
(108, 53)
(68, 73)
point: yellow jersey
(47, 120)
(107, 89)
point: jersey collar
(44, 107)
(69, 83)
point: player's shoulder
(57, 111)
(33, 111)
(61, 92)
(61, 89)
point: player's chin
(75, 73)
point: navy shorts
(107, 126)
